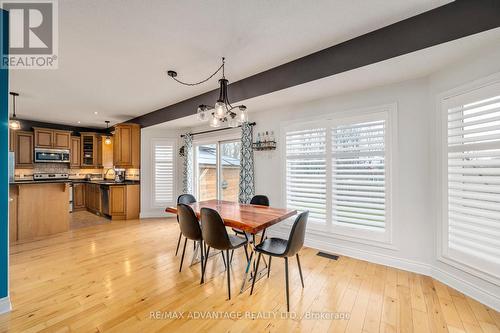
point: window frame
(217, 140)
(154, 142)
(462, 94)
(387, 112)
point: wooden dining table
(252, 219)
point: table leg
(249, 273)
(196, 255)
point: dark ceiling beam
(27, 125)
(452, 21)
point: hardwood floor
(117, 277)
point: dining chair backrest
(297, 235)
(261, 200)
(213, 229)
(186, 199)
(188, 222)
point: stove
(50, 176)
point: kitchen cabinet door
(89, 150)
(24, 149)
(99, 151)
(12, 140)
(61, 139)
(44, 138)
(88, 196)
(126, 146)
(78, 196)
(75, 152)
(97, 198)
(13, 196)
(118, 201)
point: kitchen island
(38, 209)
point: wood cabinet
(93, 197)
(124, 201)
(62, 139)
(50, 138)
(23, 149)
(78, 196)
(126, 146)
(42, 209)
(12, 140)
(99, 151)
(89, 150)
(118, 201)
(13, 197)
(75, 152)
(43, 138)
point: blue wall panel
(4, 151)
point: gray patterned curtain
(187, 172)
(247, 183)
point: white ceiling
(410, 66)
(113, 54)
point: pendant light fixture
(107, 141)
(222, 111)
(14, 124)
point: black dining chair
(277, 247)
(183, 199)
(216, 237)
(190, 229)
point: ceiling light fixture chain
(222, 111)
(173, 75)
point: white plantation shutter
(339, 170)
(473, 173)
(306, 172)
(163, 172)
(358, 175)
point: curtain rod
(217, 130)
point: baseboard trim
(467, 288)
(156, 215)
(460, 284)
(377, 258)
(5, 305)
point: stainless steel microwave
(43, 155)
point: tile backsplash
(131, 174)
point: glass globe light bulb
(214, 121)
(14, 124)
(232, 122)
(243, 116)
(219, 109)
(107, 140)
(201, 114)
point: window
(338, 169)
(472, 173)
(358, 175)
(217, 170)
(306, 172)
(163, 172)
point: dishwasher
(105, 199)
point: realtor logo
(33, 34)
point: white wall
(415, 218)
(469, 71)
(147, 135)
(412, 219)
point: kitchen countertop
(50, 181)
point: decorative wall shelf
(265, 145)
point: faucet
(106, 173)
